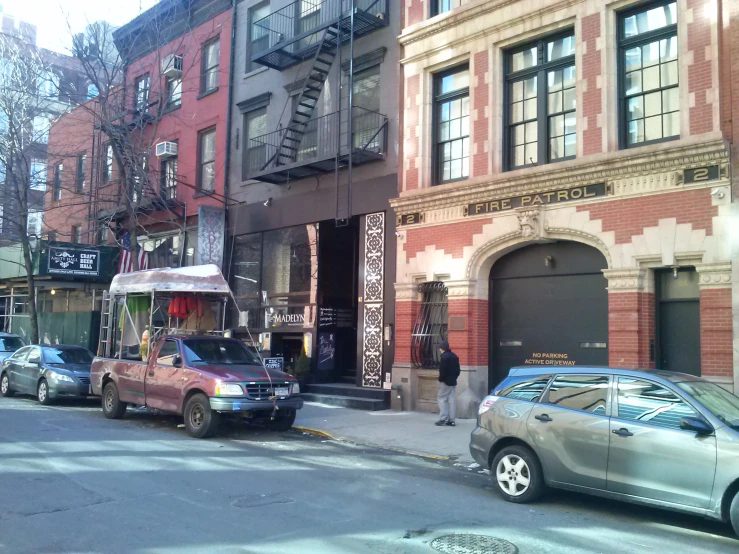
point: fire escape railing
(291, 28)
(320, 139)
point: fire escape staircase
(307, 101)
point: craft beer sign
(69, 261)
(538, 199)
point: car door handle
(543, 418)
(623, 432)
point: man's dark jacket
(449, 368)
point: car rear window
(67, 356)
(10, 344)
(523, 388)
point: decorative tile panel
(373, 316)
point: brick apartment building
(176, 74)
(61, 86)
(566, 194)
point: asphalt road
(72, 481)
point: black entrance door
(548, 306)
(678, 322)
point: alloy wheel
(513, 475)
(42, 392)
(4, 385)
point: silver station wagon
(653, 437)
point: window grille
(431, 325)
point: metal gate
(431, 325)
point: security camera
(399, 234)
(718, 193)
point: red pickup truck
(201, 378)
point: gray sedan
(652, 437)
(47, 372)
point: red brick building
(176, 69)
(566, 176)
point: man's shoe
(451, 423)
(441, 422)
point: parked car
(652, 437)
(200, 378)
(47, 372)
(9, 343)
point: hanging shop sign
(540, 198)
(71, 261)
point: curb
(326, 435)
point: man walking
(448, 373)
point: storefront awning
(194, 279)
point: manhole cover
(472, 544)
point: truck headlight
(60, 377)
(295, 388)
(229, 389)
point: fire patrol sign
(71, 261)
(583, 192)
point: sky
(51, 16)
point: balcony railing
(288, 35)
(273, 159)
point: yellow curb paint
(326, 435)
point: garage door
(548, 306)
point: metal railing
(320, 139)
(299, 19)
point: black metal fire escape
(313, 31)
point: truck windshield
(218, 351)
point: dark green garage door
(548, 306)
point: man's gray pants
(447, 403)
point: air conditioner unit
(172, 66)
(166, 149)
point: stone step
(353, 402)
(345, 389)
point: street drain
(472, 544)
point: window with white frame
(141, 93)
(209, 80)
(41, 126)
(35, 222)
(37, 176)
(258, 34)
(650, 98)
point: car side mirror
(177, 360)
(696, 424)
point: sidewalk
(410, 432)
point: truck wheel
(200, 421)
(734, 513)
(283, 421)
(42, 393)
(5, 389)
(113, 408)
